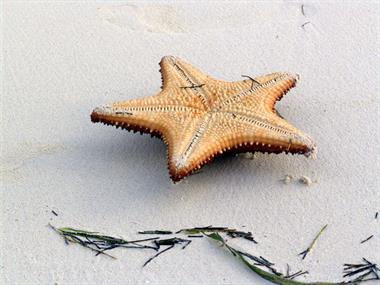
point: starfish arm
(183, 79)
(260, 92)
(181, 152)
(158, 115)
(268, 133)
(217, 133)
(274, 86)
(178, 73)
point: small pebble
(288, 178)
(305, 180)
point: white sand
(62, 59)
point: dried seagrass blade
(199, 117)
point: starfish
(199, 117)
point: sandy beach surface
(61, 59)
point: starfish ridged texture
(199, 117)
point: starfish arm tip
(100, 111)
(311, 148)
(94, 117)
(312, 153)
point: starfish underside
(199, 117)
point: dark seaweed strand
(361, 270)
(304, 24)
(157, 254)
(367, 239)
(170, 243)
(107, 242)
(156, 232)
(357, 271)
(195, 236)
(261, 261)
(296, 274)
(287, 270)
(241, 234)
(198, 230)
(75, 239)
(252, 80)
(100, 243)
(375, 268)
(233, 233)
(303, 9)
(376, 215)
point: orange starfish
(199, 117)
